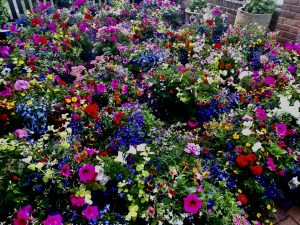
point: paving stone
(294, 212)
(288, 221)
(280, 215)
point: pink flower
(192, 123)
(90, 151)
(192, 203)
(101, 88)
(151, 211)
(260, 113)
(192, 148)
(23, 215)
(281, 129)
(20, 133)
(87, 173)
(21, 85)
(65, 171)
(91, 212)
(77, 201)
(270, 163)
(113, 38)
(114, 84)
(53, 220)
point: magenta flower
(270, 80)
(101, 88)
(53, 220)
(192, 148)
(21, 85)
(281, 129)
(87, 173)
(270, 163)
(114, 84)
(20, 133)
(65, 171)
(91, 212)
(23, 215)
(4, 51)
(124, 89)
(216, 11)
(77, 201)
(113, 38)
(78, 3)
(260, 113)
(192, 204)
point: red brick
(294, 212)
(283, 27)
(287, 35)
(287, 14)
(280, 214)
(295, 30)
(288, 221)
(281, 20)
(291, 22)
(292, 2)
(293, 8)
(283, 40)
(297, 16)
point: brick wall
(288, 24)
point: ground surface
(289, 217)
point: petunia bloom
(21, 85)
(87, 173)
(192, 203)
(65, 171)
(281, 129)
(91, 212)
(53, 220)
(20, 133)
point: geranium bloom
(21, 85)
(256, 170)
(53, 220)
(192, 203)
(91, 212)
(242, 199)
(281, 129)
(77, 201)
(87, 173)
(65, 171)
(20, 133)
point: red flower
(4, 116)
(256, 170)
(63, 25)
(209, 22)
(88, 16)
(241, 160)
(251, 158)
(56, 16)
(217, 46)
(43, 40)
(92, 110)
(242, 199)
(36, 21)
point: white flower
(294, 183)
(244, 74)
(256, 146)
(121, 158)
(101, 177)
(248, 123)
(246, 132)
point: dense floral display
(126, 114)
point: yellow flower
(269, 207)
(258, 215)
(248, 144)
(132, 212)
(235, 136)
(74, 99)
(50, 77)
(21, 62)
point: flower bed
(124, 114)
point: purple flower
(78, 3)
(113, 38)
(260, 113)
(124, 89)
(82, 26)
(292, 68)
(20, 133)
(101, 88)
(4, 50)
(192, 148)
(91, 212)
(51, 26)
(53, 220)
(114, 84)
(216, 11)
(6, 92)
(21, 85)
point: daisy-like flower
(192, 203)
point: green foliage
(3, 13)
(198, 5)
(260, 6)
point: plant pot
(190, 13)
(3, 36)
(243, 19)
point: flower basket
(244, 18)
